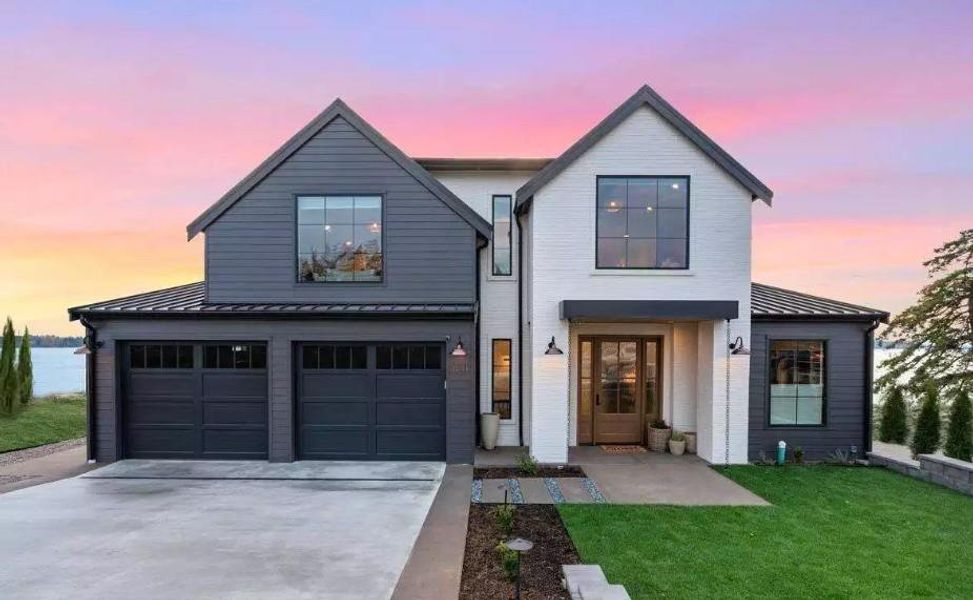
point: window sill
(506, 278)
(642, 272)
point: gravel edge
(18, 456)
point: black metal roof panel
(769, 303)
(483, 164)
(190, 301)
(648, 310)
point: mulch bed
(514, 472)
(483, 577)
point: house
(359, 303)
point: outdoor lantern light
(88, 346)
(519, 545)
(738, 347)
(552, 349)
(459, 350)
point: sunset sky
(120, 122)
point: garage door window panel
(235, 356)
(410, 357)
(334, 356)
(161, 356)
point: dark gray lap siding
(281, 337)
(846, 411)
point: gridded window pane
(500, 382)
(400, 357)
(153, 357)
(433, 357)
(342, 357)
(160, 356)
(137, 356)
(383, 357)
(359, 357)
(339, 239)
(258, 356)
(797, 382)
(417, 357)
(210, 357)
(309, 357)
(170, 357)
(328, 356)
(635, 215)
(185, 357)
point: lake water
(60, 370)
(57, 370)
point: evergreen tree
(25, 370)
(893, 428)
(936, 333)
(959, 433)
(8, 372)
(926, 438)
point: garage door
(371, 402)
(195, 400)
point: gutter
(869, 383)
(91, 344)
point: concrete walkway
(41, 467)
(435, 567)
(163, 537)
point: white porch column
(549, 392)
(722, 408)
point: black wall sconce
(738, 348)
(552, 349)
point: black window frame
(493, 379)
(179, 355)
(297, 232)
(510, 230)
(205, 346)
(824, 383)
(352, 347)
(427, 349)
(688, 181)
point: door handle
(597, 399)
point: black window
(334, 356)
(234, 356)
(797, 382)
(408, 356)
(339, 238)
(160, 356)
(500, 378)
(502, 234)
(642, 223)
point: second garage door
(371, 401)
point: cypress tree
(8, 371)
(959, 434)
(893, 428)
(25, 370)
(926, 438)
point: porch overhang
(649, 310)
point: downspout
(726, 422)
(868, 379)
(520, 332)
(476, 350)
(91, 343)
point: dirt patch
(483, 577)
(516, 473)
(17, 456)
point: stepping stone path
(537, 490)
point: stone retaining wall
(947, 472)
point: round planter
(677, 448)
(691, 442)
(658, 438)
(489, 429)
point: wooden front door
(618, 388)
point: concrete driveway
(173, 529)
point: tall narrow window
(797, 375)
(502, 235)
(339, 238)
(643, 223)
(501, 378)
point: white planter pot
(489, 429)
(677, 448)
(691, 442)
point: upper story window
(502, 234)
(339, 238)
(642, 223)
(797, 375)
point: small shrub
(527, 465)
(763, 459)
(509, 561)
(658, 424)
(893, 428)
(799, 455)
(839, 456)
(925, 440)
(959, 434)
(504, 514)
(678, 436)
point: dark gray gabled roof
(645, 96)
(190, 301)
(769, 303)
(338, 109)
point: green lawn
(833, 532)
(44, 421)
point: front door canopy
(649, 310)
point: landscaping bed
(483, 575)
(517, 472)
(44, 421)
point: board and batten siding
(281, 337)
(846, 402)
(429, 250)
